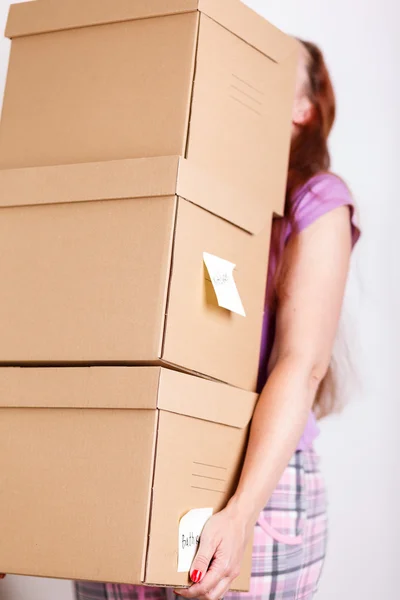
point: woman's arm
(313, 279)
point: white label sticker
(190, 528)
(221, 275)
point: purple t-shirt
(320, 195)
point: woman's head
(312, 119)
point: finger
(219, 591)
(2, 575)
(202, 559)
(216, 573)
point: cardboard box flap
(41, 16)
(133, 178)
(113, 180)
(44, 16)
(248, 211)
(203, 399)
(80, 387)
(142, 388)
(251, 27)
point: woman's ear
(302, 111)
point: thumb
(202, 560)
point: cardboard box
(113, 79)
(98, 466)
(105, 265)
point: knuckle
(227, 571)
(235, 572)
(202, 560)
(232, 570)
(201, 591)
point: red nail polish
(196, 576)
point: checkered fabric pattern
(289, 544)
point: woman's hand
(219, 558)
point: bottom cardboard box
(99, 464)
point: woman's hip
(291, 535)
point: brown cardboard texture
(105, 265)
(98, 465)
(116, 79)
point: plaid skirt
(289, 544)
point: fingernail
(196, 576)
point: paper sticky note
(190, 527)
(221, 275)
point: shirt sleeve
(320, 196)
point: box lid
(144, 388)
(79, 387)
(204, 399)
(135, 178)
(43, 16)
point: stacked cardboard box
(143, 153)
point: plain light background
(360, 448)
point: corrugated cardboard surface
(77, 470)
(97, 273)
(204, 477)
(55, 15)
(92, 388)
(199, 334)
(241, 131)
(45, 16)
(196, 398)
(113, 180)
(85, 282)
(75, 492)
(99, 93)
(215, 86)
(238, 18)
(135, 178)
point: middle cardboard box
(105, 265)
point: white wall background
(359, 449)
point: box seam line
(276, 62)
(176, 412)
(189, 121)
(171, 272)
(46, 31)
(152, 486)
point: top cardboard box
(209, 80)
